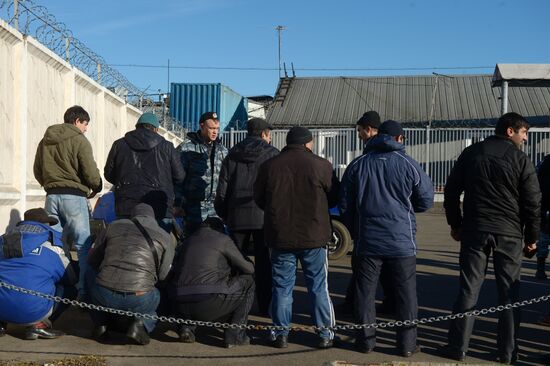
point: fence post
(16, 14)
(231, 137)
(68, 49)
(428, 150)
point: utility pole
(279, 29)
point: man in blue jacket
(32, 256)
(380, 192)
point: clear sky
(321, 34)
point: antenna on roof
(284, 67)
(293, 72)
(279, 29)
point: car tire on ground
(341, 241)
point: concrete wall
(36, 87)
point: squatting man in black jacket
(212, 281)
(235, 201)
(501, 214)
(130, 257)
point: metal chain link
(169, 319)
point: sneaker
(137, 333)
(281, 341)
(3, 327)
(325, 343)
(410, 353)
(42, 330)
(451, 352)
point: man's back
(144, 167)
(501, 191)
(292, 189)
(235, 199)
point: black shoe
(137, 333)
(451, 352)
(3, 327)
(187, 335)
(325, 343)
(281, 341)
(100, 333)
(362, 347)
(243, 342)
(410, 353)
(507, 360)
(40, 330)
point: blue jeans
(73, 214)
(146, 303)
(315, 267)
(542, 245)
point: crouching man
(212, 281)
(32, 257)
(130, 257)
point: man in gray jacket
(130, 257)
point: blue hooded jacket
(380, 192)
(37, 262)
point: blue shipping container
(189, 100)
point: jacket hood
(249, 150)
(142, 139)
(383, 143)
(143, 209)
(197, 139)
(59, 133)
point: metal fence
(435, 149)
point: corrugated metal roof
(522, 74)
(459, 100)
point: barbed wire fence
(35, 20)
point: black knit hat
(298, 135)
(370, 118)
(208, 115)
(392, 128)
(39, 215)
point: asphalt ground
(437, 282)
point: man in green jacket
(64, 165)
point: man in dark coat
(144, 167)
(501, 215)
(235, 200)
(212, 281)
(295, 190)
(380, 193)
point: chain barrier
(391, 324)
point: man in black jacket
(295, 189)
(501, 214)
(235, 200)
(144, 167)
(212, 281)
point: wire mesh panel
(435, 149)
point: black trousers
(385, 281)
(262, 265)
(232, 308)
(475, 250)
(402, 271)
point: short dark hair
(74, 113)
(214, 223)
(256, 133)
(511, 119)
(146, 125)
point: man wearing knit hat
(295, 189)
(144, 167)
(380, 193)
